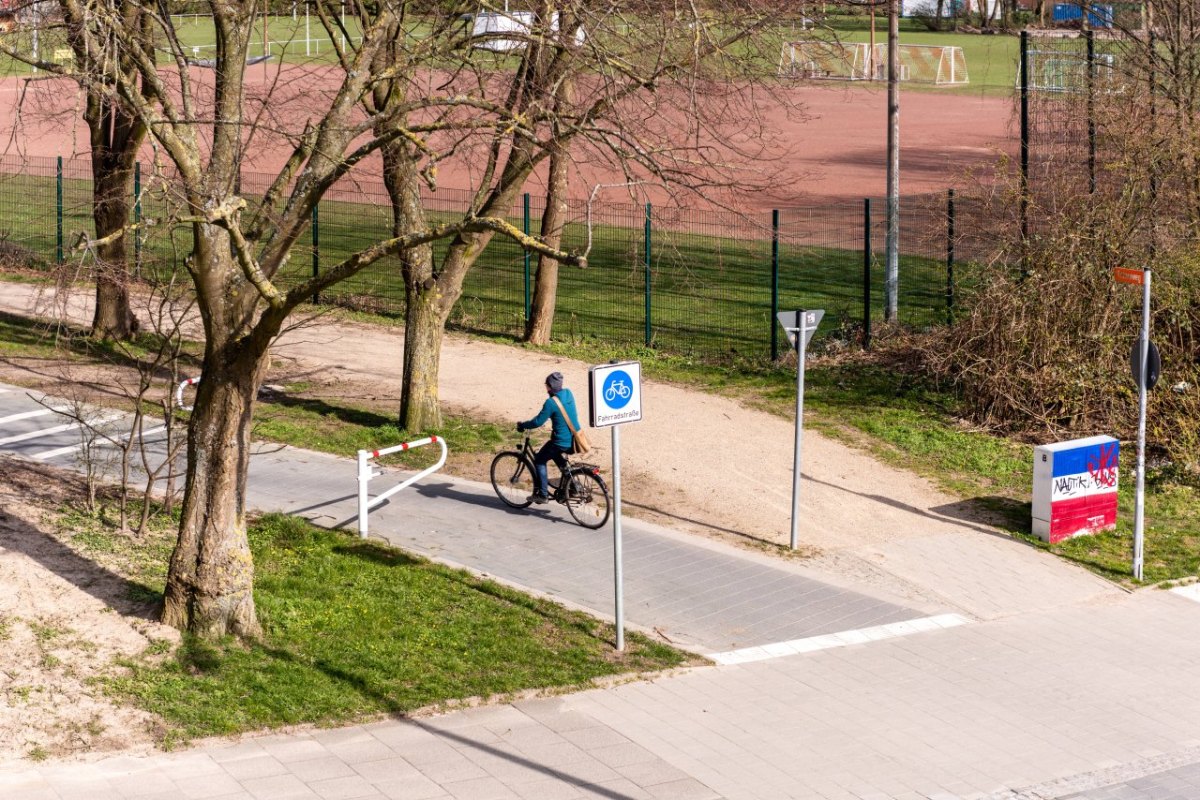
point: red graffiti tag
(1103, 467)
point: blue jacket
(560, 434)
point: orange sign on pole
(1125, 275)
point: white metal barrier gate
(179, 392)
(365, 473)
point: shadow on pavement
(448, 491)
(960, 513)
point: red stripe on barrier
(374, 454)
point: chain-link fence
(701, 283)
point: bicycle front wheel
(512, 478)
(587, 499)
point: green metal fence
(702, 283)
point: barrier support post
(364, 476)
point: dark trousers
(549, 452)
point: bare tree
(116, 136)
(554, 218)
(436, 102)
(655, 90)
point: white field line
(35, 434)
(62, 451)
(41, 412)
(831, 640)
(1191, 591)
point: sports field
(991, 60)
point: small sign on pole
(615, 399)
(1126, 275)
(800, 327)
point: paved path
(1095, 698)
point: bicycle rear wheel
(512, 478)
(587, 499)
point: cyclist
(560, 434)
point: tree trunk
(211, 581)
(210, 585)
(116, 138)
(426, 314)
(423, 329)
(545, 287)
(113, 319)
(116, 134)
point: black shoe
(539, 498)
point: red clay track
(834, 151)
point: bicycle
(580, 487)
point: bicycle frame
(559, 493)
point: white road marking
(104, 420)
(41, 412)
(35, 434)
(62, 451)
(1191, 591)
(842, 639)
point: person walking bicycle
(559, 409)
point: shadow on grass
(350, 416)
(31, 332)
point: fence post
(647, 264)
(137, 216)
(58, 211)
(866, 273)
(1089, 35)
(316, 250)
(774, 284)
(949, 256)
(525, 228)
(1024, 200)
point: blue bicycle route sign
(615, 393)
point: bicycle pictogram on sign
(618, 389)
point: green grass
(344, 428)
(710, 293)
(354, 629)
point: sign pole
(799, 325)
(618, 577)
(800, 348)
(1139, 507)
(615, 399)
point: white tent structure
(506, 31)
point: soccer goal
(934, 64)
(820, 59)
(940, 65)
(1067, 72)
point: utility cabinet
(1075, 487)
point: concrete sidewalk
(826, 690)
(1096, 702)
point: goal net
(820, 59)
(1067, 72)
(933, 64)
